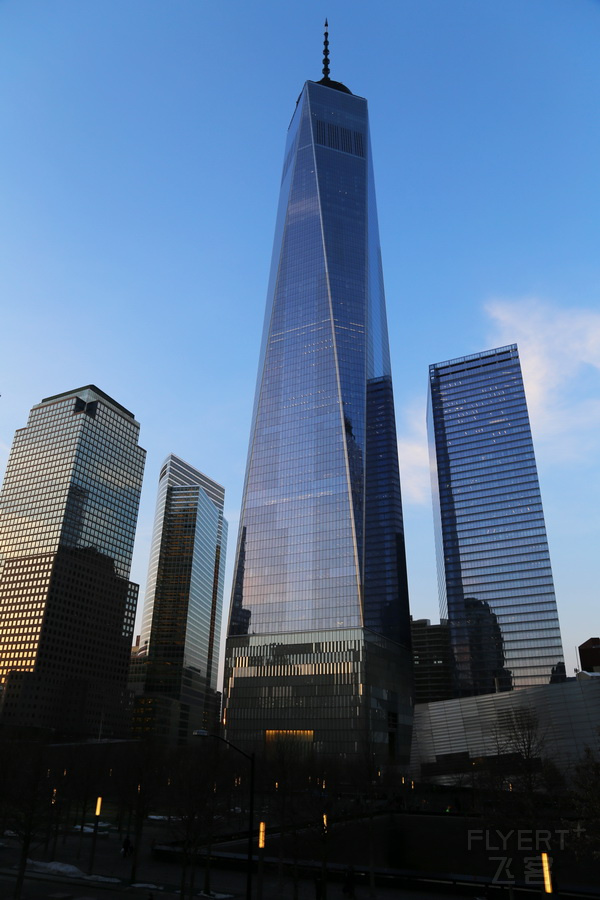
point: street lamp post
(262, 828)
(250, 758)
(95, 835)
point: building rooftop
(96, 390)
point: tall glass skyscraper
(319, 634)
(68, 512)
(175, 670)
(496, 586)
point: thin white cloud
(414, 456)
(560, 358)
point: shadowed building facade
(496, 586)
(589, 655)
(68, 512)
(174, 673)
(432, 660)
(508, 734)
(318, 647)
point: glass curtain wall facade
(68, 512)
(174, 672)
(319, 633)
(496, 587)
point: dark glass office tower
(319, 633)
(68, 511)
(432, 658)
(174, 672)
(496, 586)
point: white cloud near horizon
(559, 350)
(413, 453)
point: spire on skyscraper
(326, 54)
(326, 80)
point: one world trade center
(318, 648)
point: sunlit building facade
(68, 512)
(318, 647)
(174, 672)
(496, 586)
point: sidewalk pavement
(157, 879)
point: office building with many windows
(318, 649)
(68, 512)
(496, 587)
(432, 660)
(174, 671)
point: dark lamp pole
(95, 835)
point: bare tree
(586, 801)
(141, 782)
(196, 797)
(26, 796)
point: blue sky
(139, 171)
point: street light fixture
(262, 828)
(95, 834)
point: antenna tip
(326, 54)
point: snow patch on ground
(157, 887)
(213, 895)
(58, 868)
